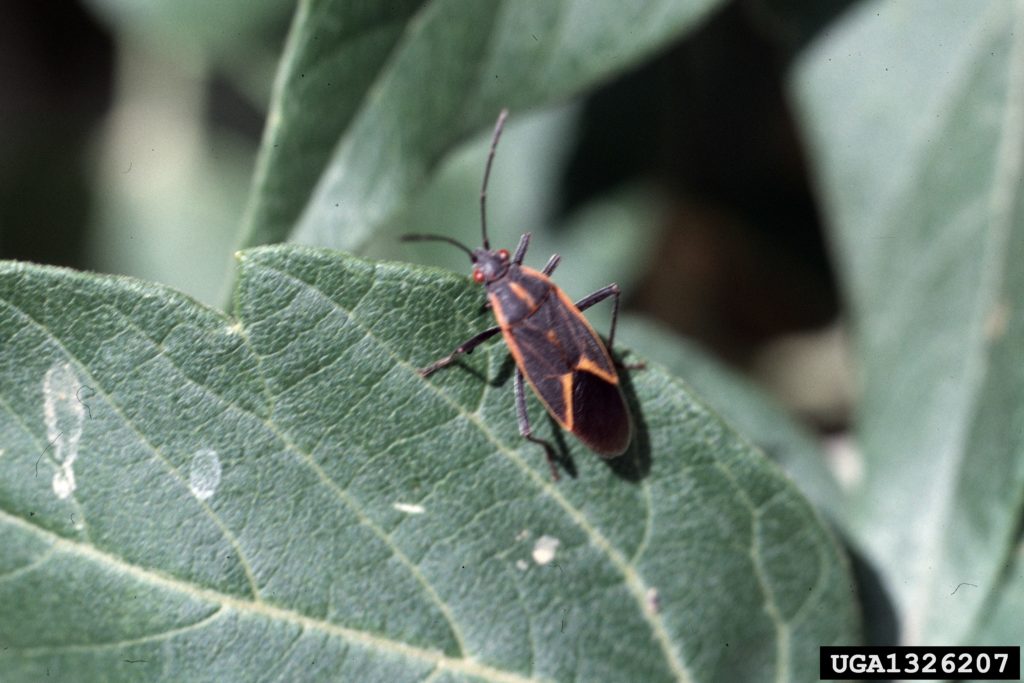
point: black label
(920, 663)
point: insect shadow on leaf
(505, 370)
(635, 464)
(562, 448)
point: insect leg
(524, 424)
(524, 243)
(552, 264)
(465, 347)
(599, 296)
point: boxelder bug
(553, 345)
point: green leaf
(186, 496)
(916, 116)
(213, 27)
(371, 97)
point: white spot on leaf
(544, 549)
(522, 565)
(64, 481)
(204, 473)
(522, 535)
(409, 508)
(64, 414)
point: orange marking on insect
(499, 312)
(567, 399)
(522, 294)
(585, 364)
(526, 270)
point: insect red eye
(503, 254)
(478, 276)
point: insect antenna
(487, 176)
(439, 238)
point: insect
(554, 347)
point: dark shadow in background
(878, 614)
(57, 71)
(56, 78)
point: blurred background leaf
(220, 31)
(435, 72)
(922, 182)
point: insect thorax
(518, 294)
